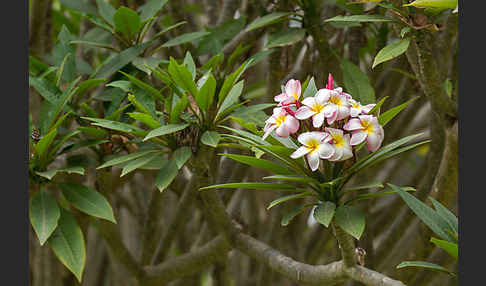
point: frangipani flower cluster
(327, 124)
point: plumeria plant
(314, 137)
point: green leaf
(51, 173)
(165, 129)
(391, 51)
(351, 220)
(357, 83)
(145, 119)
(182, 77)
(365, 187)
(447, 215)
(46, 89)
(147, 64)
(359, 18)
(426, 214)
(324, 213)
(153, 91)
(87, 200)
(376, 108)
(288, 198)
(106, 11)
(266, 20)
(311, 88)
(189, 63)
(385, 117)
(166, 175)
(254, 186)
(118, 126)
(451, 4)
(182, 155)
(125, 158)
(185, 38)
(230, 81)
(167, 29)
(137, 163)
(119, 61)
(449, 247)
(211, 138)
(448, 87)
(260, 163)
(424, 264)
(293, 213)
(205, 96)
(127, 21)
(151, 8)
(299, 179)
(83, 6)
(88, 85)
(376, 194)
(67, 242)
(44, 143)
(231, 99)
(44, 214)
(285, 38)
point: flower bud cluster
(327, 124)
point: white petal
(334, 131)
(313, 160)
(291, 124)
(358, 137)
(338, 153)
(318, 120)
(304, 112)
(268, 131)
(343, 112)
(330, 109)
(373, 141)
(305, 137)
(367, 108)
(300, 152)
(309, 101)
(323, 94)
(326, 151)
(282, 131)
(280, 97)
(353, 112)
(353, 124)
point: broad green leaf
(449, 247)
(147, 64)
(182, 155)
(87, 200)
(89, 84)
(106, 11)
(448, 87)
(288, 198)
(324, 213)
(153, 91)
(254, 186)
(125, 158)
(118, 126)
(182, 77)
(293, 213)
(127, 21)
(124, 85)
(252, 137)
(167, 29)
(285, 38)
(231, 99)
(44, 214)
(46, 89)
(185, 38)
(451, 4)
(376, 194)
(357, 83)
(447, 215)
(94, 44)
(177, 109)
(68, 245)
(211, 138)
(145, 119)
(311, 88)
(119, 61)
(424, 264)
(155, 164)
(82, 144)
(230, 80)
(351, 220)
(137, 163)
(391, 51)
(83, 6)
(260, 163)
(205, 96)
(400, 150)
(51, 173)
(151, 8)
(166, 175)
(428, 216)
(385, 117)
(44, 143)
(365, 187)
(189, 63)
(299, 179)
(165, 129)
(359, 18)
(266, 20)
(376, 108)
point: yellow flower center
(317, 108)
(295, 95)
(355, 105)
(338, 140)
(335, 99)
(280, 120)
(367, 127)
(312, 145)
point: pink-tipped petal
(334, 131)
(332, 118)
(329, 110)
(304, 112)
(338, 154)
(353, 124)
(326, 151)
(301, 151)
(293, 87)
(367, 108)
(343, 112)
(281, 97)
(330, 82)
(373, 141)
(313, 160)
(282, 131)
(358, 137)
(292, 124)
(318, 120)
(354, 112)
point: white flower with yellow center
(315, 146)
(358, 109)
(313, 106)
(337, 106)
(340, 144)
(292, 93)
(282, 122)
(366, 127)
